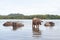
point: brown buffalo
(49, 24)
(7, 24)
(36, 22)
(16, 24)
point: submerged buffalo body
(13, 24)
(49, 24)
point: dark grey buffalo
(49, 24)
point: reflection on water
(29, 33)
(36, 32)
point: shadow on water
(36, 32)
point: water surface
(28, 33)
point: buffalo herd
(35, 23)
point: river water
(27, 33)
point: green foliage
(21, 16)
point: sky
(30, 7)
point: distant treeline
(21, 16)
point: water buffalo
(7, 24)
(49, 24)
(16, 24)
(36, 22)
